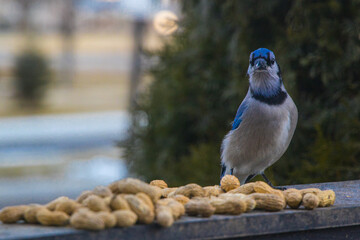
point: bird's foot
(270, 184)
(222, 173)
(278, 187)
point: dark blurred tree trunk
(25, 18)
(135, 74)
(67, 29)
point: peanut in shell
(229, 182)
(159, 183)
(52, 218)
(125, 218)
(310, 201)
(86, 219)
(201, 208)
(12, 214)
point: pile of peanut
(129, 201)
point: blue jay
(264, 123)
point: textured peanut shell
(133, 186)
(166, 191)
(118, 202)
(86, 219)
(67, 206)
(212, 191)
(83, 196)
(159, 183)
(181, 199)
(102, 191)
(262, 187)
(30, 213)
(310, 201)
(200, 208)
(52, 205)
(250, 203)
(269, 202)
(164, 201)
(125, 218)
(95, 203)
(247, 188)
(164, 216)
(190, 190)
(108, 218)
(52, 218)
(147, 200)
(177, 208)
(141, 209)
(228, 206)
(107, 200)
(310, 190)
(293, 197)
(326, 197)
(229, 182)
(12, 214)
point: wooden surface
(341, 221)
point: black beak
(260, 64)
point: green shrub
(200, 80)
(31, 77)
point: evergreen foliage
(200, 81)
(32, 75)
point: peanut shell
(95, 203)
(133, 186)
(229, 182)
(52, 218)
(108, 218)
(118, 202)
(159, 183)
(12, 214)
(310, 201)
(190, 190)
(293, 197)
(86, 219)
(102, 191)
(247, 188)
(228, 206)
(125, 218)
(326, 197)
(200, 208)
(141, 209)
(164, 216)
(269, 202)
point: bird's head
(264, 72)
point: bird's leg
(232, 171)
(251, 176)
(270, 184)
(223, 170)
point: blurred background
(92, 91)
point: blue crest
(262, 53)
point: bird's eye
(272, 61)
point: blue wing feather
(239, 114)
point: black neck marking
(276, 99)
